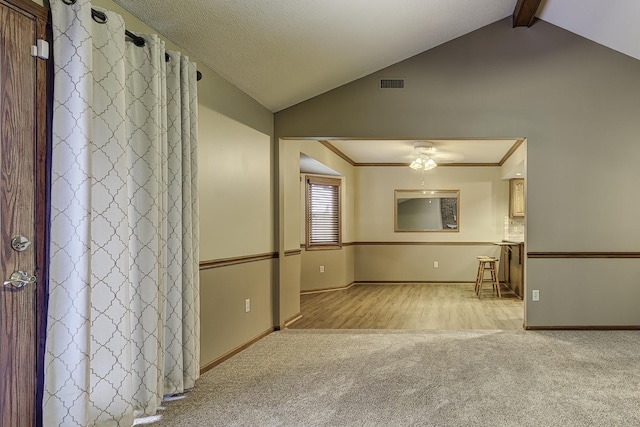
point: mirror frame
(398, 194)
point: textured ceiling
(282, 52)
(612, 23)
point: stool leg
(494, 279)
(493, 283)
(481, 279)
(478, 278)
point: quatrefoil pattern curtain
(123, 320)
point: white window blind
(323, 212)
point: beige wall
(338, 269)
(224, 325)
(483, 206)
(236, 219)
(414, 263)
(289, 289)
(338, 263)
(591, 297)
(236, 215)
(575, 101)
(483, 202)
(236, 207)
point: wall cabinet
(516, 198)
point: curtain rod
(101, 18)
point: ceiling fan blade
(446, 157)
(426, 148)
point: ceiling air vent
(392, 84)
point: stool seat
(487, 263)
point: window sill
(323, 247)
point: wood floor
(410, 306)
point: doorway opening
(380, 278)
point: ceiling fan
(427, 156)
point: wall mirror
(427, 210)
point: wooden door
(22, 211)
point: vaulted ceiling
(286, 51)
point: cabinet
(516, 198)
(512, 261)
(516, 269)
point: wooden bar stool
(480, 272)
(485, 264)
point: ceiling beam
(525, 12)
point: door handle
(19, 279)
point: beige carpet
(425, 378)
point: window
(323, 213)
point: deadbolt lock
(20, 243)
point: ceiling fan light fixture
(417, 164)
(429, 164)
(422, 160)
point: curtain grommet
(99, 17)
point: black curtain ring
(99, 17)
(137, 40)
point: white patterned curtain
(123, 321)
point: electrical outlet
(247, 305)
(322, 269)
(535, 295)
(435, 264)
